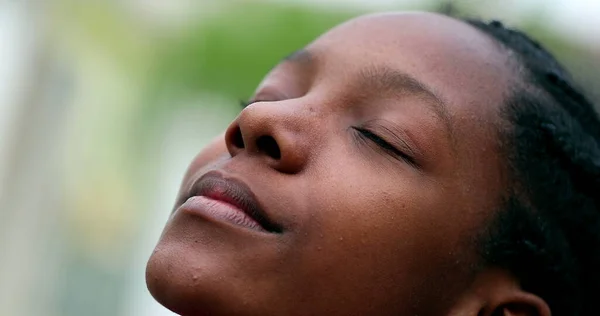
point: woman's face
(367, 163)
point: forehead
(462, 65)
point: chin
(195, 279)
(176, 284)
(207, 266)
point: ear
(495, 292)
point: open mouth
(230, 200)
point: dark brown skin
(365, 232)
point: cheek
(376, 225)
(392, 230)
(377, 213)
(378, 199)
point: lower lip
(219, 210)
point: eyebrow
(392, 81)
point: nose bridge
(303, 116)
(289, 117)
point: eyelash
(383, 144)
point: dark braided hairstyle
(548, 233)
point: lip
(227, 199)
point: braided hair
(548, 232)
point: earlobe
(495, 292)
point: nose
(273, 133)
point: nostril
(237, 139)
(268, 145)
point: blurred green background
(103, 104)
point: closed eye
(386, 146)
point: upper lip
(235, 192)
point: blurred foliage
(576, 58)
(229, 55)
(231, 51)
(106, 29)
